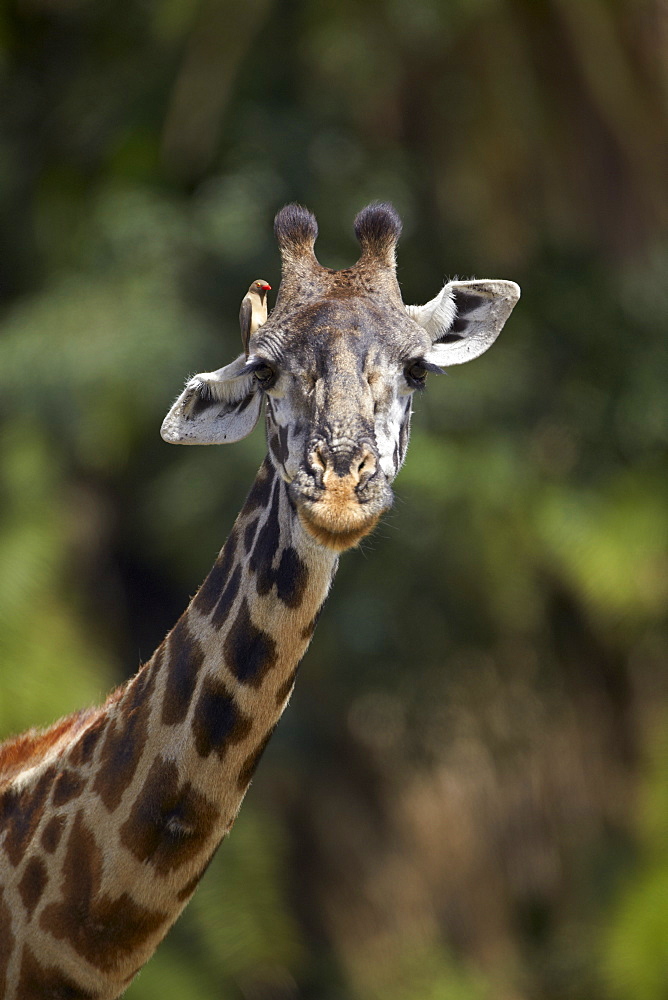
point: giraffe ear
(465, 318)
(215, 407)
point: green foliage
(432, 976)
(635, 945)
(50, 661)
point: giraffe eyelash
(257, 366)
(418, 381)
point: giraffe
(109, 818)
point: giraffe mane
(27, 750)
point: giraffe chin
(334, 533)
(342, 511)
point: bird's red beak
(266, 287)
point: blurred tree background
(468, 796)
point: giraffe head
(335, 367)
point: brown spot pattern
(249, 651)
(287, 686)
(186, 657)
(52, 833)
(102, 930)
(20, 813)
(84, 748)
(125, 740)
(258, 498)
(291, 578)
(8, 941)
(36, 981)
(208, 594)
(32, 884)
(66, 787)
(250, 765)
(267, 543)
(170, 822)
(224, 606)
(218, 721)
(249, 534)
(309, 629)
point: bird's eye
(264, 375)
(416, 375)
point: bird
(253, 312)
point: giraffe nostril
(317, 462)
(318, 459)
(366, 467)
(324, 463)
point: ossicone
(378, 228)
(296, 230)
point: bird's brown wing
(245, 317)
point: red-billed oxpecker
(253, 312)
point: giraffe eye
(264, 375)
(416, 375)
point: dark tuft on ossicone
(295, 228)
(378, 228)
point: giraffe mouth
(338, 535)
(339, 515)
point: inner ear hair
(210, 387)
(201, 397)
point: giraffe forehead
(336, 337)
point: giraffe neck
(114, 828)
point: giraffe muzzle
(331, 463)
(341, 493)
